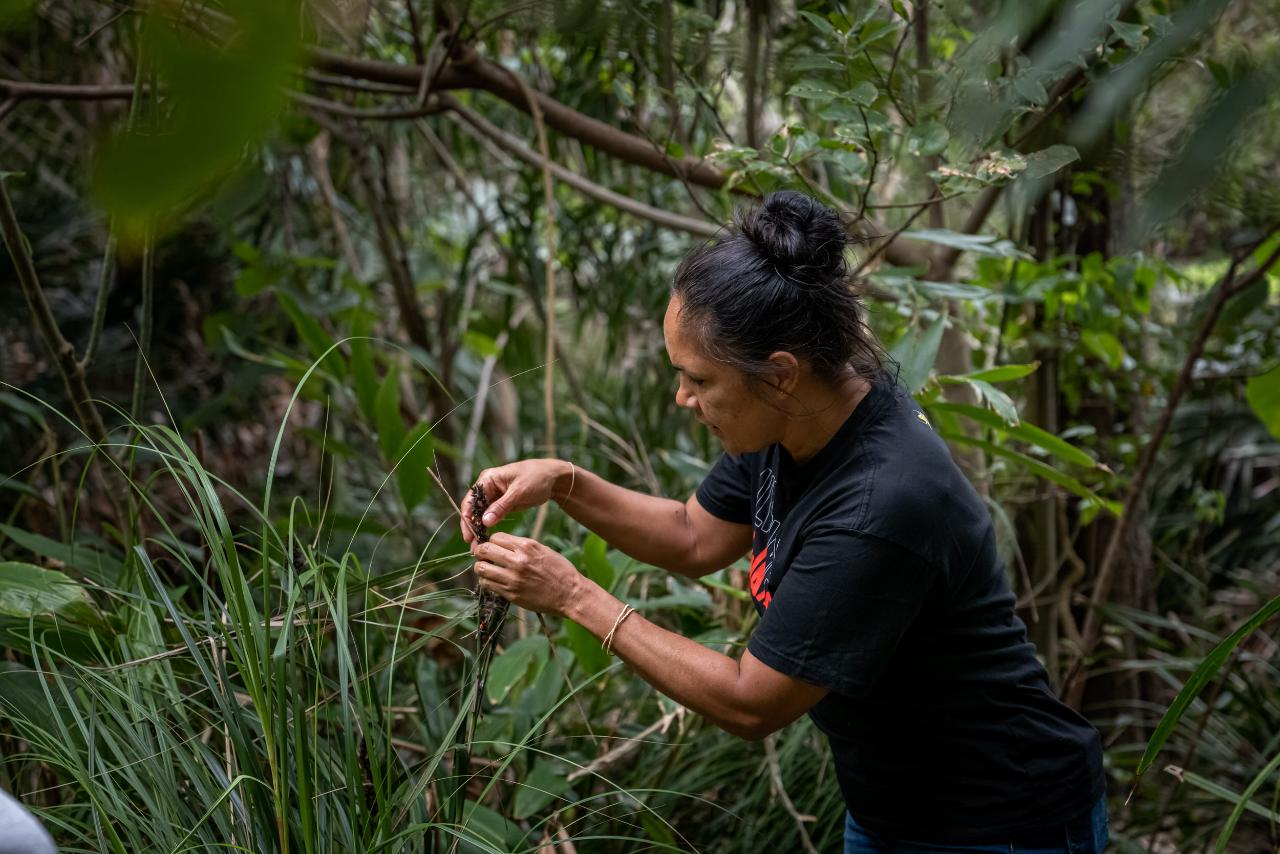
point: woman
(885, 612)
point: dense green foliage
(298, 255)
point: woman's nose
(683, 397)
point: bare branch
(698, 227)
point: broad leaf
(101, 567)
(27, 590)
(386, 409)
(1050, 160)
(979, 244)
(413, 460)
(1263, 393)
(544, 784)
(513, 664)
(915, 352)
(928, 138)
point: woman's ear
(786, 373)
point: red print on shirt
(756, 578)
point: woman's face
(717, 393)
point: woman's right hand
(514, 487)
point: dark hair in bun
(778, 280)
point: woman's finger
(509, 542)
(494, 578)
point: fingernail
(489, 518)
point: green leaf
(480, 344)
(363, 374)
(1001, 373)
(820, 22)
(27, 590)
(102, 568)
(1133, 35)
(622, 93)
(1219, 791)
(414, 458)
(817, 62)
(1047, 161)
(865, 93)
(1105, 346)
(1000, 402)
(544, 784)
(815, 90)
(489, 827)
(1199, 678)
(221, 94)
(1263, 394)
(979, 244)
(928, 138)
(1036, 467)
(1021, 431)
(513, 664)
(1030, 87)
(312, 333)
(1243, 803)
(586, 648)
(915, 352)
(23, 406)
(595, 561)
(387, 418)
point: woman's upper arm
(715, 543)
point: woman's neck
(829, 406)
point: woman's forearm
(698, 678)
(649, 528)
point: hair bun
(803, 238)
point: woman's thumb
(496, 510)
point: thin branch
(428, 107)
(888, 241)
(775, 783)
(357, 85)
(64, 355)
(629, 746)
(1228, 287)
(698, 227)
(106, 276)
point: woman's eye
(697, 382)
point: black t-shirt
(875, 573)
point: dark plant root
(491, 609)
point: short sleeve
(726, 490)
(840, 610)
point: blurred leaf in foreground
(218, 93)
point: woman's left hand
(527, 573)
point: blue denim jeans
(1084, 835)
